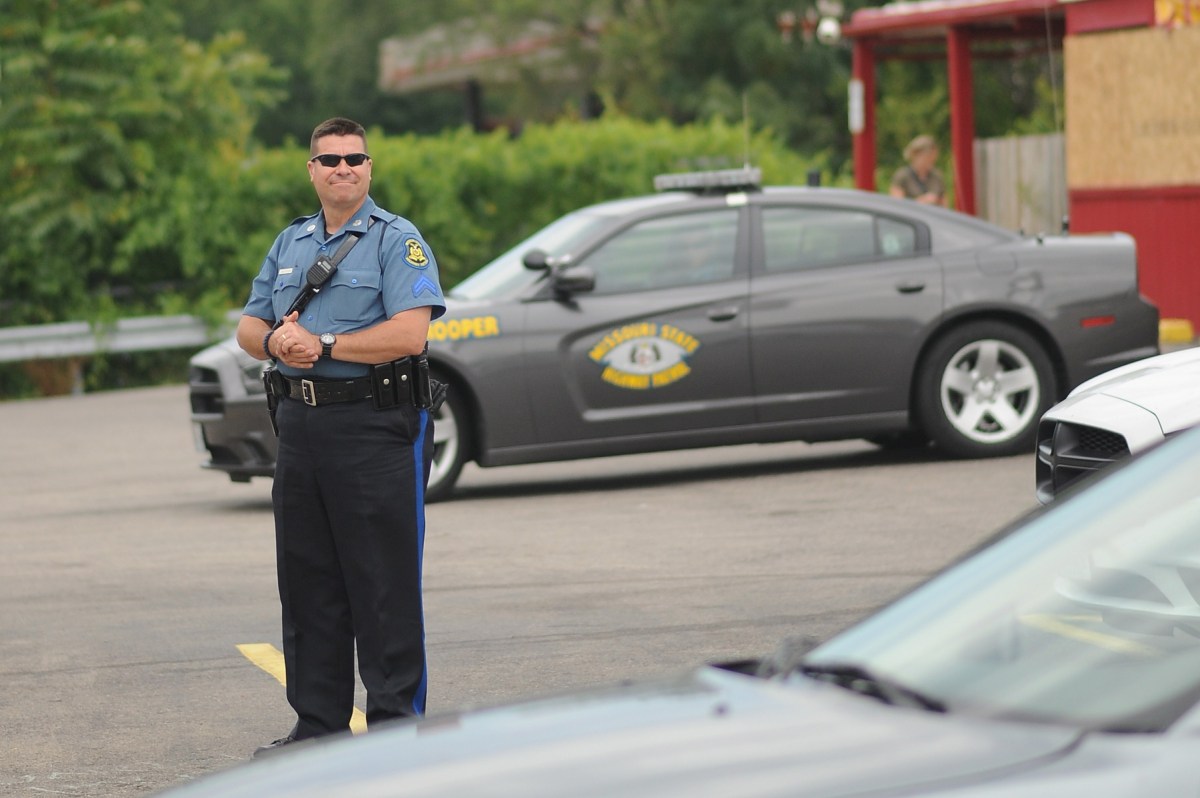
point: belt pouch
(404, 380)
(384, 385)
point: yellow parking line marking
(270, 659)
(266, 657)
(1049, 623)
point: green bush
(475, 195)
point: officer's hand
(298, 347)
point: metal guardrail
(81, 338)
(149, 333)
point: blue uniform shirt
(390, 269)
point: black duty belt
(324, 392)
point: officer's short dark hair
(338, 126)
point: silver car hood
(1164, 389)
(712, 732)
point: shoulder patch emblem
(414, 254)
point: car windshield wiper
(862, 681)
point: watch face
(327, 338)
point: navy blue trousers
(349, 498)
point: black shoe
(273, 747)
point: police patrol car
(716, 311)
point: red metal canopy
(917, 29)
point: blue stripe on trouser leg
(421, 467)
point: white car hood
(711, 733)
(1148, 399)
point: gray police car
(717, 312)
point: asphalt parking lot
(130, 578)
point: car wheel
(981, 390)
(451, 443)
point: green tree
(121, 135)
(691, 61)
(686, 61)
(329, 54)
(682, 60)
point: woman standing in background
(920, 180)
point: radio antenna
(746, 128)
(1053, 72)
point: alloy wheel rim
(990, 391)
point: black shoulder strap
(321, 271)
(348, 244)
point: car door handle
(723, 314)
(910, 287)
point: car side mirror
(536, 260)
(574, 280)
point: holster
(276, 389)
(428, 393)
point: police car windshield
(507, 273)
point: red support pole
(962, 117)
(862, 113)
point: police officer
(355, 442)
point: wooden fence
(1021, 182)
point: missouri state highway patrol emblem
(414, 254)
(645, 355)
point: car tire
(981, 390)
(451, 445)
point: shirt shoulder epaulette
(387, 217)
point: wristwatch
(327, 342)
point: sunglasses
(330, 161)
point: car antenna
(1053, 75)
(746, 128)
(1066, 220)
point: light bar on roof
(721, 180)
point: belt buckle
(309, 392)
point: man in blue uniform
(355, 441)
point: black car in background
(718, 312)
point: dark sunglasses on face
(330, 161)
